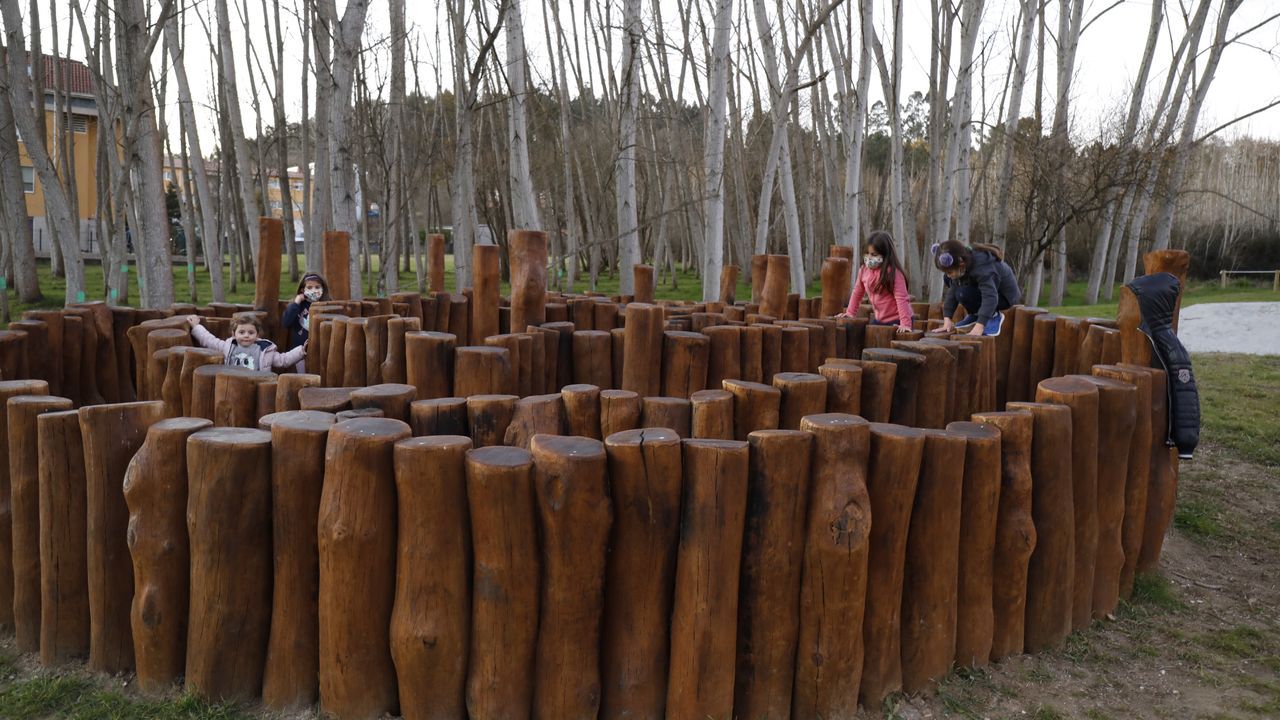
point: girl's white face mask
(313, 295)
(874, 261)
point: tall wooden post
(435, 262)
(773, 293)
(64, 589)
(9, 389)
(485, 293)
(335, 263)
(1117, 416)
(527, 250)
(1139, 465)
(266, 290)
(979, 504)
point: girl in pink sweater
(884, 282)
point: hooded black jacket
(1157, 297)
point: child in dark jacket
(978, 278)
(297, 316)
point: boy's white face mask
(313, 295)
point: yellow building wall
(85, 148)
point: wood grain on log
(979, 507)
(482, 370)
(684, 363)
(1139, 466)
(488, 417)
(392, 399)
(619, 410)
(755, 407)
(1117, 415)
(642, 367)
(802, 394)
(582, 410)
(906, 381)
(534, 415)
(64, 590)
(9, 389)
(711, 415)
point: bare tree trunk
(524, 206)
(713, 189)
(13, 208)
(341, 164)
(395, 189)
(891, 81)
(1068, 39)
(629, 100)
(227, 78)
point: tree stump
(325, 399)
(834, 570)
(724, 354)
(356, 529)
(802, 394)
(759, 272)
(645, 477)
(935, 394)
(1163, 489)
(24, 494)
(431, 619)
(711, 415)
(235, 392)
(728, 284)
(905, 384)
(157, 366)
(592, 358)
(684, 363)
(979, 507)
(770, 351)
(429, 358)
(435, 261)
(930, 586)
(704, 615)
(440, 416)
(835, 285)
(334, 366)
(642, 276)
(582, 410)
(1066, 347)
(203, 381)
(395, 367)
(51, 370)
(670, 413)
(484, 294)
(24, 353)
(878, 381)
(527, 255)
(755, 407)
(1052, 561)
(751, 352)
(287, 388)
(9, 389)
(504, 613)
(642, 367)
(844, 388)
(893, 471)
(776, 281)
(1117, 416)
(335, 263)
(1015, 532)
(481, 371)
(229, 525)
(1082, 397)
(520, 361)
(488, 417)
(795, 349)
(290, 674)
(392, 399)
(64, 590)
(375, 348)
(1018, 387)
(171, 388)
(1139, 465)
(619, 410)
(771, 565)
(193, 358)
(354, 353)
(535, 415)
(155, 490)
(575, 515)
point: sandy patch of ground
(1252, 328)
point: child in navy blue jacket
(297, 317)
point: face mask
(313, 295)
(874, 261)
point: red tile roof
(74, 73)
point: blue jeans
(971, 298)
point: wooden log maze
(561, 505)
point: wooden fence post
(64, 588)
(1117, 415)
(9, 389)
(979, 505)
(1135, 494)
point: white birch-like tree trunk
(1009, 131)
(342, 165)
(230, 86)
(628, 124)
(524, 204)
(13, 208)
(1069, 18)
(713, 157)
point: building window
(168, 176)
(79, 124)
(275, 205)
(28, 179)
(273, 184)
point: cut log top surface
(892, 355)
(383, 390)
(642, 436)
(896, 431)
(975, 430)
(569, 446)
(1108, 383)
(186, 425)
(434, 442)
(716, 445)
(372, 428)
(832, 420)
(300, 420)
(1069, 385)
(232, 437)
(500, 456)
(746, 386)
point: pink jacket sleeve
(903, 300)
(207, 340)
(856, 299)
(288, 359)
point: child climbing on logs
(245, 348)
(978, 278)
(297, 317)
(884, 282)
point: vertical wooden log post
(725, 354)
(645, 477)
(192, 359)
(759, 273)
(9, 389)
(906, 381)
(107, 368)
(776, 281)
(325, 399)
(64, 590)
(582, 410)
(935, 383)
(1004, 356)
(392, 399)
(1016, 387)
(441, 416)
(356, 528)
(575, 515)
(155, 490)
(1163, 489)
(979, 506)
(769, 584)
(521, 363)
(592, 353)
(334, 369)
(930, 579)
(527, 253)
(435, 261)
(834, 576)
(795, 349)
(159, 340)
(1066, 345)
(712, 415)
(878, 381)
(728, 284)
(429, 358)
(1117, 415)
(1135, 493)
(644, 289)
(88, 350)
(801, 394)
(685, 357)
(619, 410)
(1049, 570)
(354, 353)
(671, 413)
(395, 368)
(1043, 337)
(642, 368)
(290, 676)
(484, 294)
(770, 351)
(844, 387)
(892, 474)
(488, 417)
(535, 415)
(266, 291)
(375, 348)
(235, 393)
(755, 407)
(504, 615)
(431, 620)
(53, 321)
(1082, 397)
(1015, 532)
(835, 285)
(171, 388)
(287, 388)
(229, 525)
(751, 353)
(335, 263)
(112, 434)
(700, 682)
(482, 370)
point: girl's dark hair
(948, 253)
(302, 284)
(882, 243)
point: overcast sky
(1107, 61)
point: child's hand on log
(193, 320)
